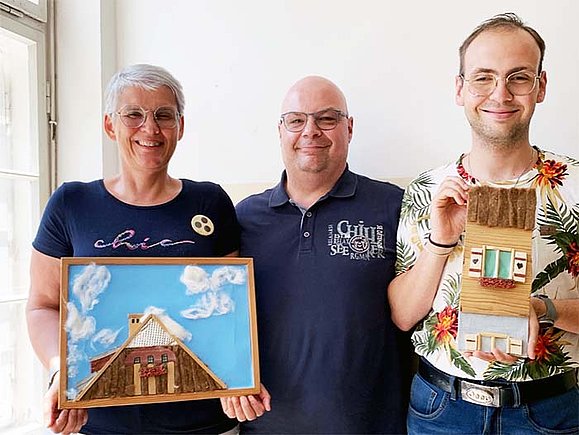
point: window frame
(517, 267)
(31, 25)
(37, 32)
(37, 11)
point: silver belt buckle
(480, 394)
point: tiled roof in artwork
(152, 334)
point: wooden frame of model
(147, 330)
(496, 276)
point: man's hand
(499, 355)
(495, 355)
(66, 421)
(247, 407)
(448, 211)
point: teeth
(147, 143)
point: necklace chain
(525, 169)
(528, 167)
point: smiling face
(501, 120)
(313, 150)
(146, 148)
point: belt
(498, 393)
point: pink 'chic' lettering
(123, 240)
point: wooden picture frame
(149, 330)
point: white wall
(395, 61)
(85, 60)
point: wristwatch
(550, 316)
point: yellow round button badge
(202, 225)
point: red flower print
(573, 259)
(546, 348)
(551, 173)
(447, 325)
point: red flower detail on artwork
(551, 173)
(148, 372)
(573, 259)
(497, 282)
(447, 325)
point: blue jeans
(433, 411)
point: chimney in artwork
(134, 320)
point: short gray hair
(145, 76)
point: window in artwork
(497, 267)
(498, 263)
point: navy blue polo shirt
(329, 353)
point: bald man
(323, 243)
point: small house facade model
(497, 270)
(152, 361)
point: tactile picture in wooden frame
(147, 330)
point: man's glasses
(324, 119)
(136, 116)
(518, 83)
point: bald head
(316, 156)
(311, 93)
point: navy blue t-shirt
(330, 356)
(85, 220)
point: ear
(109, 127)
(542, 87)
(459, 89)
(181, 127)
(350, 128)
(279, 130)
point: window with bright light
(22, 140)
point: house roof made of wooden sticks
(504, 208)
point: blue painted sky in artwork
(221, 341)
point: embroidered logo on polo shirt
(357, 241)
(202, 225)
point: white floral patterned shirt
(555, 268)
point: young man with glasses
(490, 391)
(323, 241)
